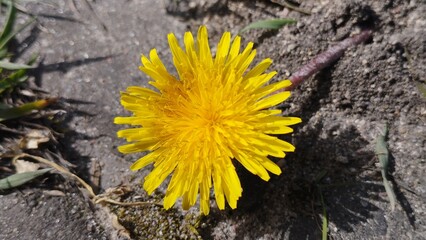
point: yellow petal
(235, 49)
(279, 120)
(138, 146)
(218, 188)
(156, 60)
(193, 192)
(280, 129)
(141, 91)
(157, 176)
(271, 101)
(204, 53)
(262, 92)
(270, 166)
(190, 50)
(276, 142)
(144, 161)
(223, 48)
(232, 186)
(253, 166)
(205, 195)
(180, 59)
(245, 63)
(252, 84)
(259, 69)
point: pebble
(398, 92)
(291, 47)
(391, 59)
(300, 24)
(366, 70)
(339, 21)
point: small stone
(291, 47)
(391, 59)
(300, 24)
(366, 70)
(398, 92)
(339, 21)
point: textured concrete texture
(89, 58)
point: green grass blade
(269, 24)
(19, 179)
(10, 20)
(15, 78)
(14, 66)
(24, 109)
(382, 153)
(422, 88)
(4, 106)
(4, 41)
(3, 53)
(324, 218)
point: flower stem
(326, 58)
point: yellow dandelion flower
(194, 125)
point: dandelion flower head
(194, 125)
